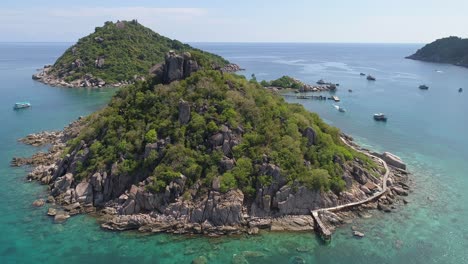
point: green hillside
(120, 51)
(147, 132)
(453, 50)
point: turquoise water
(426, 128)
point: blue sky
(387, 21)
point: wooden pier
(313, 97)
(320, 227)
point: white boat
(21, 105)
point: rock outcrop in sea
(277, 207)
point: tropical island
(192, 148)
(118, 54)
(451, 50)
(288, 82)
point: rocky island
(287, 82)
(119, 54)
(451, 50)
(195, 149)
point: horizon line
(244, 42)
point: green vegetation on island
(122, 51)
(146, 133)
(452, 50)
(283, 82)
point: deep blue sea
(426, 128)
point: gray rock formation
(184, 112)
(62, 184)
(310, 134)
(84, 192)
(175, 67)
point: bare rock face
(62, 184)
(190, 66)
(175, 67)
(360, 175)
(84, 192)
(220, 209)
(303, 200)
(184, 112)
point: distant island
(452, 50)
(288, 82)
(196, 149)
(118, 54)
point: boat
(339, 108)
(460, 90)
(370, 78)
(380, 117)
(321, 82)
(349, 90)
(21, 105)
(362, 74)
(335, 98)
(423, 87)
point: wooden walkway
(317, 97)
(321, 228)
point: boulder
(184, 112)
(173, 67)
(310, 134)
(365, 189)
(61, 217)
(359, 174)
(393, 160)
(216, 184)
(190, 66)
(62, 184)
(51, 211)
(358, 234)
(84, 192)
(384, 208)
(226, 164)
(217, 140)
(38, 203)
(399, 191)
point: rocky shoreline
(46, 76)
(212, 214)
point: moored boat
(321, 82)
(362, 74)
(380, 117)
(460, 90)
(21, 105)
(423, 87)
(370, 78)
